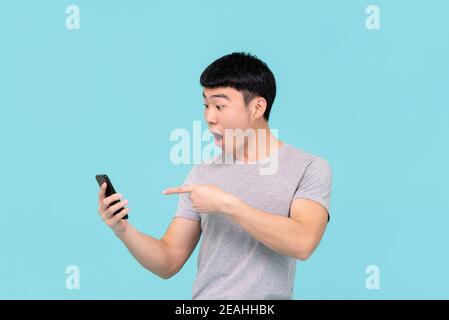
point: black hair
(245, 73)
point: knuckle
(118, 205)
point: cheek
(236, 119)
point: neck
(258, 146)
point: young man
(254, 226)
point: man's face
(224, 108)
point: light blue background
(105, 98)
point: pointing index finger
(182, 189)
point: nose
(211, 116)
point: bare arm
(164, 257)
(297, 236)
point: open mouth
(218, 137)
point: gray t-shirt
(232, 264)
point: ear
(258, 107)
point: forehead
(220, 92)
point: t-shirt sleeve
(316, 183)
(185, 208)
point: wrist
(121, 231)
(232, 205)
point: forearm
(150, 252)
(281, 234)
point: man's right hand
(116, 223)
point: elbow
(304, 253)
(303, 256)
(167, 274)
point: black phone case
(101, 178)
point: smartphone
(102, 178)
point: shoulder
(312, 163)
(320, 164)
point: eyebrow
(220, 95)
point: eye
(220, 107)
(205, 106)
